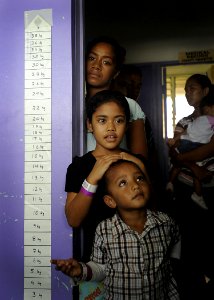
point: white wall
(164, 49)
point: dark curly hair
(106, 96)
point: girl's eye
(140, 178)
(101, 120)
(122, 183)
(120, 120)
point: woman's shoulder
(133, 104)
(135, 110)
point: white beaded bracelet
(89, 187)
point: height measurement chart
(37, 164)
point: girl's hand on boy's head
(134, 159)
(137, 161)
(69, 267)
(101, 166)
(127, 156)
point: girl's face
(108, 126)
(101, 66)
(194, 92)
(128, 187)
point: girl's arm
(137, 138)
(77, 207)
(78, 204)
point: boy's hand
(69, 267)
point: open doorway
(162, 80)
(176, 104)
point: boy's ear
(109, 201)
(89, 125)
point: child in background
(129, 81)
(132, 251)
(197, 133)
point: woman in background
(196, 224)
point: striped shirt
(137, 266)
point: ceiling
(138, 20)
(146, 19)
(188, 69)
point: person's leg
(197, 186)
(172, 176)
(199, 172)
(197, 196)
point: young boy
(132, 249)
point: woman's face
(101, 66)
(194, 92)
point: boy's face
(108, 126)
(128, 187)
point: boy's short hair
(106, 96)
(105, 180)
(116, 163)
